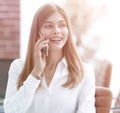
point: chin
(56, 48)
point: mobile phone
(46, 48)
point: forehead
(56, 17)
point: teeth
(56, 39)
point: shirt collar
(64, 62)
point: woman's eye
(62, 25)
(48, 26)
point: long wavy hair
(75, 67)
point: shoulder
(16, 67)
(17, 63)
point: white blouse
(52, 99)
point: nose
(56, 30)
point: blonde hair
(75, 67)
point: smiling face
(55, 29)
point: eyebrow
(58, 21)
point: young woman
(52, 79)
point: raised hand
(39, 56)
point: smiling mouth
(56, 39)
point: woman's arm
(18, 101)
(87, 94)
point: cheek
(46, 33)
(65, 33)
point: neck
(51, 63)
(53, 59)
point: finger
(42, 37)
(42, 42)
(38, 42)
(39, 49)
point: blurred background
(96, 33)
